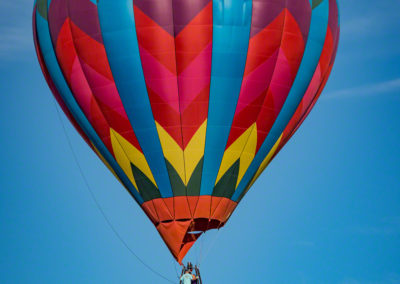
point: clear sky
(327, 210)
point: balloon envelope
(186, 101)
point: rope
(176, 271)
(201, 248)
(101, 209)
(210, 247)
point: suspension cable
(203, 236)
(111, 226)
(210, 247)
(176, 271)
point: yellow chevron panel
(267, 160)
(194, 151)
(232, 154)
(121, 158)
(132, 154)
(248, 154)
(105, 162)
(172, 152)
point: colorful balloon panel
(186, 101)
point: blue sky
(327, 210)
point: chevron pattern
(143, 83)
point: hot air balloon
(186, 101)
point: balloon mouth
(195, 232)
(181, 220)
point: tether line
(99, 206)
